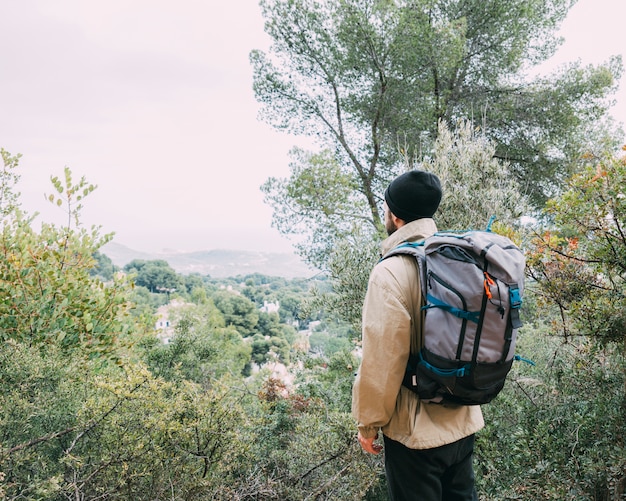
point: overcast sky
(152, 101)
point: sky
(152, 101)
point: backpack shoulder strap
(415, 249)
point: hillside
(217, 263)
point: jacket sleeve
(386, 346)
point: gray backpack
(472, 285)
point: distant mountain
(217, 263)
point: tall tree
(372, 80)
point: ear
(396, 220)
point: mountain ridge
(217, 263)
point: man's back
(391, 330)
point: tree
(73, 431)
(104, 267)
(156, 275)
(192, 282)
(238, 311)
(202, 350)
(561, 423)
(580, 263)
(465, 163)
(327, 344)
(371, 81)
(49, 295)
(577, 263)
(289, 306)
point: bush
(557, 431)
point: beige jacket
(392, 320)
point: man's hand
(368, 445)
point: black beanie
(414, 195)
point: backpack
(472, 284)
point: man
(428, 447)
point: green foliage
(557, 431)
(187, 425)
(238, 311)
(201, 350)
(9, 198)
(143, 305)
(192, 282)
(104, 267)
(185, 420)
(290, 307)
(564, 425)
(579, 265)
(465, 162)
(330, 379)
(319, 194)
(307, 448)
(327, 344)
(331, 337)
(50, 297)
(349, 266)
(122, 434)
(381, 84)
(260, 348)
(70, 196)
(371, 81)
(269, 325)
(156, 275)
(267, 349)
(39, 401)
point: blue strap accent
(491, 220)
(433, 302)
(411, 244)
(460, 372)
(516, 303)
(516, 299)
(399, 249)
(522, 359)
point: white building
(270, 307)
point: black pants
(440, 474)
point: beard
(390, 226)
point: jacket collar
(410, 232)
